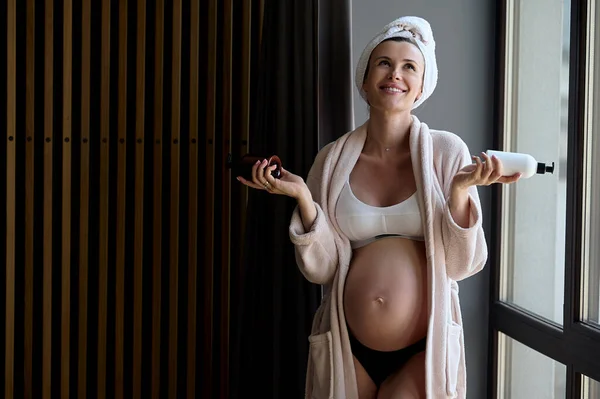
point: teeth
(392, 89)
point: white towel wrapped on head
(415, 28)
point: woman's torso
(385, 295)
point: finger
(509, 179)
(260, 178)
(488, 166)
(283, 173)
(250, 184)
(255, 172)
(269, 177)
(497, 172)
(469, 168)
(478, 167)
(263, 170)
(269, 181)
(499, 165)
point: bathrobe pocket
(321, 366)
(453, 353)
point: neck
(388, 134)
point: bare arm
(460, 207)
(307, 208)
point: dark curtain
(336, 82)
(300, 100)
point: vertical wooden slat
(245, 111)
(121, 194)
(157, 196)
(239, 192)
(84, 197)
(66, 198)
(209, 198)
(48, 122)
(139, 199)
(29, 197)
(104, 195)
(174, 201)
(193, 199)
(226, 139)
(246, 64)
(11, 111)
(261, 22)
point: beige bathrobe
(323, 255)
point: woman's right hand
(288, 184)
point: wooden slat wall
(123, 229)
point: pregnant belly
(385, 294)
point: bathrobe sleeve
(316, 253)
(465, 248)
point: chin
(388, 108)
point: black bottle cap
(543, 168)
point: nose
(395, 74)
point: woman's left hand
(482, 173)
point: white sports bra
(363, 223)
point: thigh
(366, 386)
(406, 383)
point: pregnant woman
(388, 221)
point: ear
(419, 95)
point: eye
(410, 66)
(384, 62)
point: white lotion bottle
(514, 162)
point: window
(591, 388)
(529, 374)
(545, 308)
(537, 94)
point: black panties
(380, 365)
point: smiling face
(394, 77)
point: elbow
(460, 271)
(317, 270)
